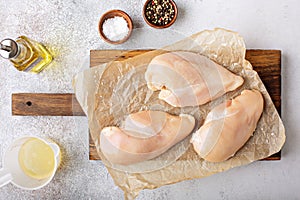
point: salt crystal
(115, 29)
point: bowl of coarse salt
(115, 26)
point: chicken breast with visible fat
(143, 136)
(228, 127)
(189, 79)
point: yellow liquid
(33, 57)
(37, 159)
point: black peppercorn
(159, 12)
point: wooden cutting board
(267, 63)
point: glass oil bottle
(25, 54)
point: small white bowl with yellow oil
(30, 163)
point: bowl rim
(115, 12)
(163, 26)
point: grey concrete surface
(69, 29)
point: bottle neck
(21, 53)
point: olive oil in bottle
(25, 54)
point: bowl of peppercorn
(160, 13)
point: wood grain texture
(267, 63)
(40, 104)
(98, 57)
(93, 155)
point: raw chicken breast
(189, 79)
(228, 127)
(143, 136)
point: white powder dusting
(115, 29)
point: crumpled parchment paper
(109, 92)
